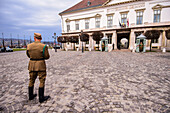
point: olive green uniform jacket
(37, 59)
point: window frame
(109, 36)
(97, 22)
(109, 21)
(155, 40)
(124, 18)
(68, 28)
(77, 27)
(138, 15)
(87, 42)
(87, 23)
(157, 10)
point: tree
(152, 34)
(84, 37)
(62, 39)
(97, 36)
(168, 34)
(73, 39)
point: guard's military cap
(37, 35)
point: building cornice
(120, 29)
(97, 15)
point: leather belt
(36, 59)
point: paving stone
(115, 82)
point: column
(132, 40)
(163, 38)
(90, 41)
(114, 39)
(79, 44)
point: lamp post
(3, 41)
(18, 42)
(81, 36)
(30, 40)
(11, 40)
(55, 41)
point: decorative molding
(109, 14)
(67, 20)
(123, 12)
(106, 2)
(120, 3)
(140, 9)
(98, 15)
(166, 6)
(158, 6)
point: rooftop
(85, 4)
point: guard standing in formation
(38, 53)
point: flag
(120, 24)
(127, 22)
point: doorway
(123, 40)
(104, 44)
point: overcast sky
(24, 17)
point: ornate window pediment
(109, 14)
(67, 20)
(158, 6)
(98, 15)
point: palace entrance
(123, 40)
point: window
(97, 42)
(157, 14)
(110, 21)
(87, 24)
(109, 38)
(77, 25)
(123, 19)
(139, 17)
(68, 26)
(154, 40)
(97, 22)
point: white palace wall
(116, 10)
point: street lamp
(81, 36)
(3, 41)
(55, 41)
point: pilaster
(114, 39)
(132, 40)
(163, 38)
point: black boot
(31, 95)
(42, 98)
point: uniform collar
(37, 42)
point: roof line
(100, 5)
(80, 9)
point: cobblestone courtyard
(92, 82)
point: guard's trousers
(33, 76)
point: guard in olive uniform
(38, 53)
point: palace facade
(121, 21)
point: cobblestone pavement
(92, 82)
